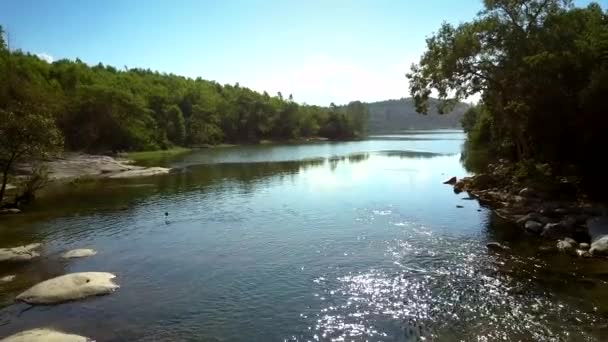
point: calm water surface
(354, 241)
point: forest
(105, 109)
(541, 68)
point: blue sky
(321, 51)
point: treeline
(541, 67)
(101, 108)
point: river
(349, 241)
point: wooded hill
(393, 115)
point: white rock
(21, 253)
(600, 246)
(70, 287)
(44, 335)
(79, 253)
(7, 279)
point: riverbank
(562, 216)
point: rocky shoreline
(575, 225)
(75, 166)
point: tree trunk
(5, 176)
(4, 181)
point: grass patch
(156, 155)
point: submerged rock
(533, 227)
(79, 253)
(70, 287)
(44, 335)
(21, 253)
(451, 181)
(599, 246)
(7, 279)
(497, 246)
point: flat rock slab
(21, 253)
(44, 335)
(141, 172)
(78, 253)
(69, 287)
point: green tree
(26, 134)
(539, 66)
(176, 126)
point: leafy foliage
(100, 108)
(541, 68)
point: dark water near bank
(330, 241)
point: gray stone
(21, 253)
(533, 216)
(69, 287)
(79, 253)
(44, 335)
(584, 246)
(571, 241)
(599, 246)
(533, 227)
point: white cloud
(45, 57)
(323, 79)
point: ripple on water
(449, 288)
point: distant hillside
(392, 115)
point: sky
(320, 51)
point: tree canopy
(541, 67)
(101, 108)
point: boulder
(21, 253)
(565, 246)
(495, 246)
(571, 241)
(7, 279)
(69, 287)
(533, 227)
(558, 230)
(584, 246)
(459, 186)
(78, 253)
(583, 253)
(483, 181)
(533, 216)
(44, 335)
(451, 181)
(599, 246)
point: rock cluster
(537, 213)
